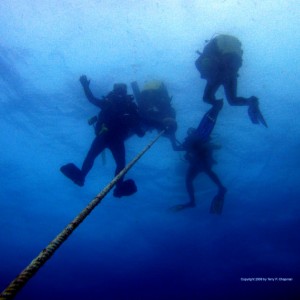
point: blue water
(136, 247)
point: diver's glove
(254, 113)
(84, 81)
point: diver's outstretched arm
(88, 93)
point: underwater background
(136, 247)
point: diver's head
(120, 89)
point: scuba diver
(199, 155)
(219, 64)
(117, 119)
(155, 109)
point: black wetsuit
(199, 153)
(117, 119)
(200, 159)
(223, 71)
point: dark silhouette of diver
(117, 119)
(219, 64)
(199, 155)
(155, 108)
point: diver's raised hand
(84, 81)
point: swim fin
(73, 173)
(217, 204)
(126, 188)
(255, 114)
(208, 121)
(261, 118)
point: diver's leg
(123, 188)
(191, 174)
(254, 112)
(230, 87)
(210, 91)
(214, 177)
(117, 149)
(218, 200)
(97, 147)
(208, 122)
